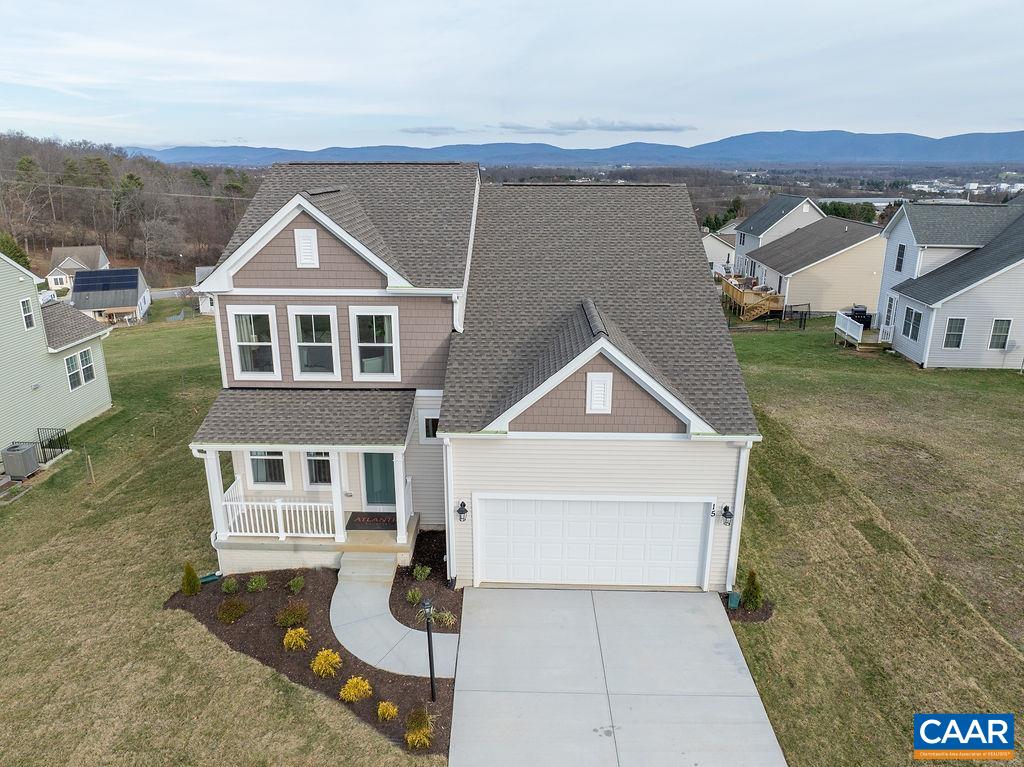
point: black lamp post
(428, 614)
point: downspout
(449, 512)
(743, 464)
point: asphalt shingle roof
(107, 288)
(65, 325)
(963, 225)
(810, 244)
(762, 219)
(89, 256)
(1005, 249)
(542, 251)
(421, 211)
(326, 417)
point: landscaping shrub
(295, 584)
(256, 583)
(386, 711)
(296, 638)
(326, 663)
(355, 690)
(413, 596)
(231, 609)
(445, 618)
(753, 597)
(419, 728)
(293, 614)
(421, 572)
(229, 586)
(190, 581)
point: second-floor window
(26, 314)
(79, 368)
(901, 251)
(375, 354)
(254, 352)
(912, 324)
(743, 238)
(314, 334)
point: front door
(379, 480)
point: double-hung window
(743, 238)
(318, 469)
(26, 314)
(1000, 334)
(314, 334)
(375, 352)
(79, 369)
(890, 307)
(268, 467)
(912, 324)
(253, 334)
(85, 358)
(954, 338)
(901, 251)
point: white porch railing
(283, 518)
(849, 327)
(885, 334)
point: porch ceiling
(328, 417)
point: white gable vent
(307, 256)
(599, 393)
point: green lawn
(885, 516)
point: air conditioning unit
(20, 460)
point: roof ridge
(594, 318)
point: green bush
(190, 585)
(419, 728)
(256, 583)
(753, 597)
(295, 584)
(229, 585)
(445, 618)
(231, 609)
(413, 596)
(293, 614)
(421, 572)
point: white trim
(338, 469)
(695, 424)
(377, 507)
(469, 256)
(220, 342)
(450, 518)
(430, 392)
(353, 331)
(595, 380)
(603, 435)
(786, 215)
(309, 236)
(376, 292)
(737, 510)
(887, 229)
(982, 281)
(307, 483)
(833, 255)
(402, 514)
(928, 340)
(275, 342)
(992, 330)
(329, 311)
(215, 489)
(77, 263)
(421, 417)
(963, 334)
(78, 369)
(285, 457)
(25, 272)
(301, 447)
(22, 304)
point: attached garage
(596, 540)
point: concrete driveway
(617, 678)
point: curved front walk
(363, 623)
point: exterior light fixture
(462, 511)
(428, 616)
(727, 516)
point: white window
(85, 358)
(74, 374)
(314, 335)
(1000, 334)
(318, 469)
(26, 314)
(428, 425)
(599, 393)
(375, 350)
(267, 467)
(58, 281)
(901, 251)
(890, 307)
(806, 208)
(743, 238)
(912, 324)
(307, 252)
(79, 368)
(254, 352)
(954, 338)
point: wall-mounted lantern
(462, 511)
(727, 516)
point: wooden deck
(851, 333)
(750, 304)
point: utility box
(20, 460)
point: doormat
(371, 520)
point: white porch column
(337, 459)
(743, 464)
(215, 486)
(401, 513)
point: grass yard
(94, 671)
(885, 515)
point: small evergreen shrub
(445, 618)
(413, 596)
(190, 581)
(753, 597)
(386, 711)
(355, 690)
(419, 728)
(293, 614)
(229, 585)
(256, 583)
(296, 639)
(421, 572)
(295, 584)
(231, 609)
(326, 663)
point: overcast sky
(576, 74)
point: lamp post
(428, 615)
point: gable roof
(725, 239)
(417, 215)
(65, 326)
(968, 225)
(769, 214)
(812, 243)
(107, 288)
(202, 272)
(1003, 251)
(729, 228)
(20, 269)
(556, 266)
(89, 256)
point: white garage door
(592, 540)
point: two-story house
(782, 214)
(952, 290)
(67, 261)
(53, 375)
(541, 371)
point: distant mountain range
(769, 147)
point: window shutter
(599, 393)
(307, 256)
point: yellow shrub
(296, 639)
(326, 663)
(386, 711)
(419, 728)
(420, 738)
(355, 689)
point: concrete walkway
(363, 623)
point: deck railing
(885, 334)
(284, 518)
(849, 327)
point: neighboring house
(53, 374)
(112, 294)
(952, 292)
(205, 299)
(66, 262)
(730, 228)
(541, 371)
(782, 214)
(831, 265)
(719, 251)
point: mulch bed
(742, 615)
(256, 634)
(430, 551)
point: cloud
(565, 127)
(434, 130)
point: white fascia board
(460, 307)
(226, 446)
(833, 255)
(219, 280)
(101, 334)
(25, 272)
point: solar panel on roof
(106, 279)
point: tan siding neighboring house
(851, 277)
